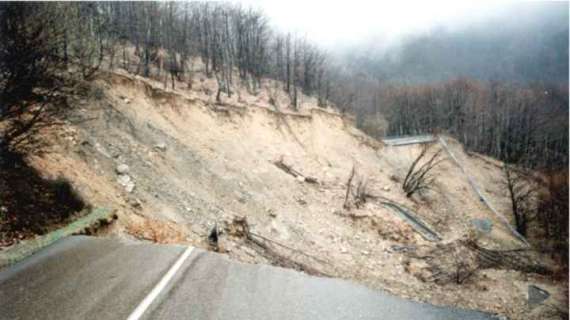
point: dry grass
(156, 231)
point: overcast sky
(333, 23)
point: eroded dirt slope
(174, 164)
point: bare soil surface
(174, 164)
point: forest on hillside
(479, 86)
(498, 85)
(473, 84)
(513, 121)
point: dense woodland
(42, 45)
(232, 42)
(518, 124)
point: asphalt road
(93, 278)
(407, 140)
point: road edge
(24, 249)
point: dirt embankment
(174, 165)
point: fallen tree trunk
(290, 170)
(267, 247)
(510, 259)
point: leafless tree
(30, 37)
(552, 212)
(522, 194)
(356, 190)
(418, 177)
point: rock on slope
(174, 164)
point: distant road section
(93, 278)
(406, 140)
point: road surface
(94, 278)
(407, 140)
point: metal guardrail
(418, 225)
(402, 141)
(420, 139)
(482, 198)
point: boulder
(126, 181)
(160, 146)
(122, 169)
(483, 225)
(536, 295)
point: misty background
(435, 40)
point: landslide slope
(174, 164)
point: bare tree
(355, 195)
(30, 37)
(346, 204)
(552, 212)
(418, 177)
(522, 194)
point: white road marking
(141, 308)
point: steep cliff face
(174, 164)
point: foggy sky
(339, 24)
